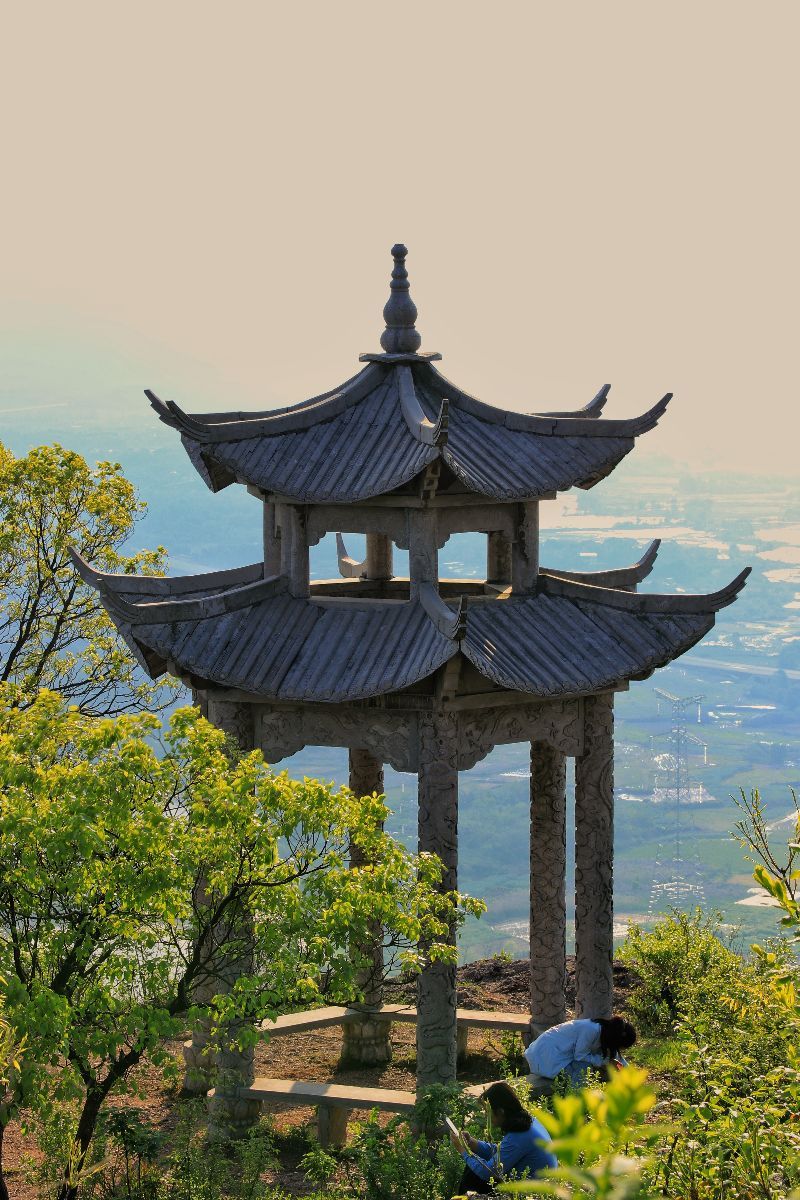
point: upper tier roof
(383, 427)
(238, 630)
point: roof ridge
(430, 433)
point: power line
(677, 873)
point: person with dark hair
(521, 1153)
(573, 1047)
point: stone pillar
(379, 556)
(272, 542)
(230, 1117)
(294, 548)
(229, 957)
(423, 555)
(498, 557)
(594, 861)
(525, 550)
(199, 1051)
(548, 923)
(367, 1042)
(438, 834)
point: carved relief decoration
(390, 737)
(557, 723)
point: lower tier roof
(238, 631)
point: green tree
(54, 633)
(120, 862)
(11, 1051)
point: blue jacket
(520, 1155)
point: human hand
(459, 1140)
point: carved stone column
(229, 956)
(438, 834)
(594, 861)
(423, 556)
(367, 1042)
(294, 548)
(199, 1051)
(548, 923)
(379, 556)
(525, 549)
(230, 1117)
(272, 542)
(498, 557)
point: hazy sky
(200, 198)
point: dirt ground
(492, 984)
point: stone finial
(400, 312)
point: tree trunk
(87, 1124)
(3, 1186)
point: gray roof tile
(358, 442)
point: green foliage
(680, 963)
(132, 875)
(12, 1049)
(397, 1160)
(591, 1131)
(736, 1094)
(54, 632)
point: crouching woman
(520, 1154)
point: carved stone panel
(279, 732)
(234, 718)
(558, 723)
(594, 861)
(390, 736)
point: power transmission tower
(677, 875)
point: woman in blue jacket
(520, 1154)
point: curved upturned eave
(380, 431)
(621, 578)
(364, 451)
(593, 409)
(575, 425)
(570, 638)
(225, 427)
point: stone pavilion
(425, 673)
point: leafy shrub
(398, 1161)
(682, 963)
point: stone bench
(466, 1019)
(333, 1101)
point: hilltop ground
(495, 984)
